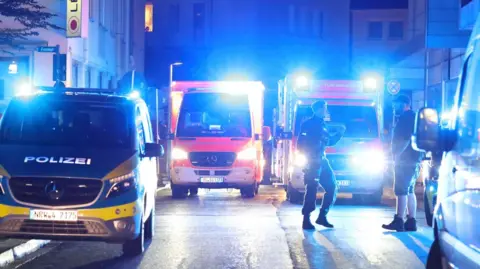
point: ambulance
(358, 159)
(216, 136)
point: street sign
(47, 49)
(61, 66)
(393, 87)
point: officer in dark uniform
(314, 138)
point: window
(101, 12)
(48, 121)
(361, 121)
(291, 19)
(199, 16)
(318, 23)
(228, 116)
(395, 30)
(140, 131)
(465, 2)
(91, 9)
(2, 89)
(100, 80)
(174, 13)
(375, 30)
(89, 77)
(75, 75)
(149, 17)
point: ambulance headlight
(372, 161)
(300, 160)
(179, 154)
(122, 184)
(247, 154)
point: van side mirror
(426, 136)
(153, 150)
(285, 136)
(266, 133)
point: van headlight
(300, 160)
(247, 154)
(122, 184)
(179, 154)
(372, 161)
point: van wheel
(435, 257)
(249, 192)
(150, 224)
(428, 213)
(178, 192)
(193, 191)
(136, 246)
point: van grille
(55, 191)
(212, 159)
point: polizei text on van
(64, 160)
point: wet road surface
(219, 229)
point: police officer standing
(314, 138)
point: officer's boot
(411, 225)
(322, 220)
(396, 225)
(307, 224)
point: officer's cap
(402, 99)
(318, 104)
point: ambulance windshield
(360, 121)
(214, 115)
(43, 122)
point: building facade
(438, 37)
(112, 46)
(214, 38)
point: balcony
(468, 13)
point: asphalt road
(219, 229)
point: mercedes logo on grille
(212, 159)
(53, 190)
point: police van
(78, 164)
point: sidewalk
(13, 249)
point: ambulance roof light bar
(228, 86)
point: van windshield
(66, 123)
(360, 121)
(214, 115)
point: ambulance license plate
(211, 179)
(343, 183)
(53, 215)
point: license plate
(211, 179)
(53, 215)
(343, 183)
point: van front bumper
(233, 177)
(114, 224)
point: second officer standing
(312, 142)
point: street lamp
(171, 73)
(13, 68)
(301, 82)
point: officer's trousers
(322, 171)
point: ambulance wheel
(136, 246)
(294, 196)
(178, 192)
(193, 191)
(250, 191)
(376, 197)
(150, 224)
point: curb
(20, 251)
